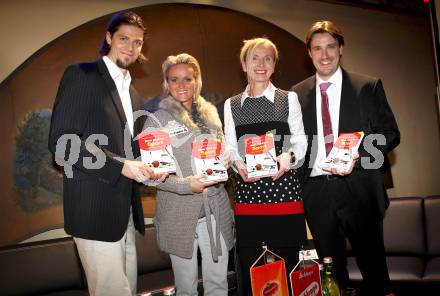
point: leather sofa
(53, 268)
(412, 246)
(412, 243)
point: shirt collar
(335, 79)
(269, 93)
(114, 70)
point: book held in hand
(206, 159)
(156, 151)
(260, 156)
(341, 155)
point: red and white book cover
(206, 159)
(156, 151)
(341, 155)
(260, 156)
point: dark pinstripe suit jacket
(96, 201)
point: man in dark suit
(345, 204)
(92, 134)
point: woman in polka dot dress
(269, 209)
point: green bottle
(324, 289)
(329, 285)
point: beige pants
(110, 267)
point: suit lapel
(349, 115)
(136, 106)
(309, 116)
(116, 99)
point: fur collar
(208, 113)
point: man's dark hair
(123, 18)
(324, 27)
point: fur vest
(207, 111)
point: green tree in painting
(35, 177)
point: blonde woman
(191, 213)
(273, 205)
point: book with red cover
(341, 155)
(206, 159)
(260, 156)
(156, 151)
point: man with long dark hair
(92, 134)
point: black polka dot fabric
(286, 189)
(258, 116)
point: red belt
(283, 208)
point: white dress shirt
(298, 140)
(334, 102)
(123, 86)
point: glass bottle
(324, 289)
(329, 285)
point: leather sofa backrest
(36, 268)
(149, 257)
(432, 224)
(403, 227)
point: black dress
(266, 211)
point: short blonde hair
(186, 59)
(250, 45)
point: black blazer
(364, 107)
(96, 201)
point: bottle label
(308, 255)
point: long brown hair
(123, 18)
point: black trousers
(335, 211)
